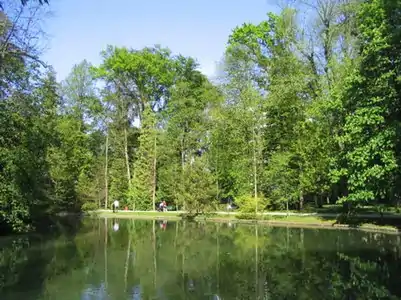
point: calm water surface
(137, 259)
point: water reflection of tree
(193, 260)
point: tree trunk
(127, 157)
(182, 166)
(154, 175)
(217, 179)
(106, 173)
(319, 200)
(99, 193)
(134, 199)
(301, 201)
(255, 182)
(182, 154)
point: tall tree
(371, 99)
(137, 79)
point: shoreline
(280, 220)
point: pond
(148, 259)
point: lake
(148, 259)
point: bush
(247, 204)
(89, 206)
(247, 216)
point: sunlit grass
(134, 214)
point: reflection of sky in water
(94, 293)
(191, 285)
(100, 293)
(136, 293)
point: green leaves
(144, 179)
(197, 188)
(300, 114)
(142, 75)
(370, 133)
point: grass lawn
(137, 214)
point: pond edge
(232, 219)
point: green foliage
(283, 180)
(145, 163)
(249, 204)
(302, 111)
(89, 206)
(197, 188)
(23, 169)
(370, 96)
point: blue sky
(80, 29)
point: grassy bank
(371, 222)
(138, 214)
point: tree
(136, 79)
(186, 133)
(197, 188)
(26, 120)
(371, 97)
(144, 180)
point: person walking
(115, 205)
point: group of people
(162, 206)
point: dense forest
(305, 108)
